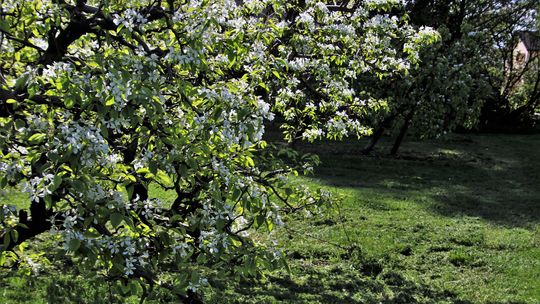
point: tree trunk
(192, 298)
(401, 134)
(374, 140)
(386, 123)
(37, 224)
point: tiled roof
(530, 39)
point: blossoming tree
(102, 100)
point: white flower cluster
(9, 216)
(312, 134)
(299, 64)
(57, 69)
(233, 130)
(87, 142)
(306, 19)
(10, 170)
(118, 89)
(39, 187)
(213, 241)
(258, 51)
(181, 249)
(336, 127)
(133, 251)
(70, 230)
(222, 170)
(116, 123)
(131, 19)
(343, 29)
(239, 226)
(195, 286)
(35, 267)
(143, 159)
(264, 109)
(381, 2)
(186, 56)
(150, 207)
(425, 35)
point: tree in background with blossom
(101, 101)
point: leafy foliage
(100, 100)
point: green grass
(448, 221)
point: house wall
(521, 55)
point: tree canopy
(101, 101)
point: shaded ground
(493, 177)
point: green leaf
(104, 131)
(152, 167)
(37, 138)
(183, 170)
(192, 163)
(22, 81)
(66, 168)
(11, 100)
(264, 86)
(250, 162)
(129, 190)
(116, 219)
(260, 219)
(56, 183)
(4, 26)
(282, 63)
(93, 64)
(78, 185)
(19, 123)
(269, 224)
(22, 247)
(143, 171)
(236, 194)
(288, 191)
(74, 244)
(48, 201)
(7, 239)
(14, 235)
(69, 102)
(131, 178)
(163, 178)
(109, 101)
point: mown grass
(448, 221)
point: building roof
(530, 39)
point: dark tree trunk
(37, 223)
(402, 133)
(192, 298)
(377, 135)
(374, 140)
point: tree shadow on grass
(344, 286)
(504, 208)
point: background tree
(460, 79)
(439, 94)
(508, 106)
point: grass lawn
(448, 221)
